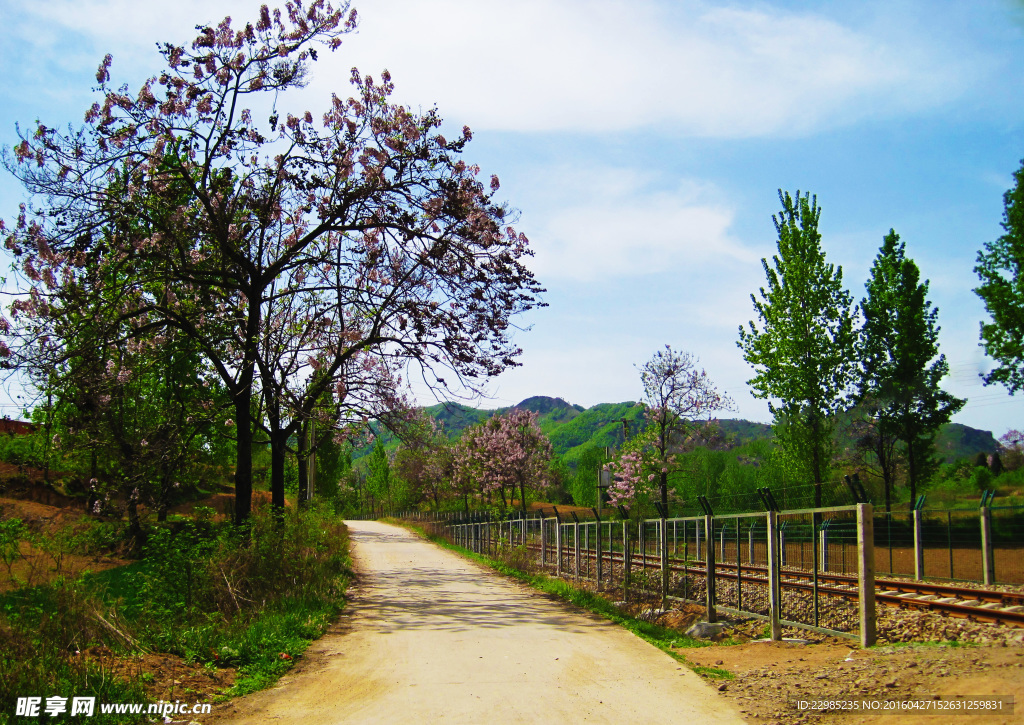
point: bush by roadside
(204, 590)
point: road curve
(429, 637)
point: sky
(644, 144)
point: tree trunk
(912, 472)
(242, 398)
(164, 502)
(243, 455)
(278, 452)
(816, 462)
(302, 460)
(135, 533)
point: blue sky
(644, 143)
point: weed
(206, 591)
(12, 533)
(714, 673)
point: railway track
(980, 605)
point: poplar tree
(802, 348)
(901, 367)
(1002, 291)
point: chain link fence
(733, 562)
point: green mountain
(956, 441)
(740, 432)
(573, 429)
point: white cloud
(610, 65)
(620, 222)
(579, 65)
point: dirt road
(431, 638)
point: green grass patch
(952, 643)
(712, 673)
(205, 591)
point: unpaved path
(432, 638)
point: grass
(952, 643)
(204, 591)
(665, 639)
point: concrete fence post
(918, 545)
(558, 548)
(774, 589)
(663, 529)
(587, 565)
(987, 560)
(543, 543)
(750, 544)
(866, 572)
(696, 550)
(627, 556)
(782, 547)
(709, 536)
(641, 540)
(823, 535)
(597, 553)
(576, 546)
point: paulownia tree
(505, 453)
(679, 398)
(424, 459)
(364, 219)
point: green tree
(802, 353)
(1002, 290)
(584, 481)
(378, 476)
(876, 449)
(900, 363)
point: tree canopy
(309, 259)
(802, 347)
(1001, 271)
(678, 396)
(901, 367)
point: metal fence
(810, 568)
(983, 544)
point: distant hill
(745, 431)
(956, 441)
(598, 426)
(573, 429)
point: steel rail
(908, 596)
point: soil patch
(41, 565)
(165, 677)
(771, 677)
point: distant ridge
(573, 429)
